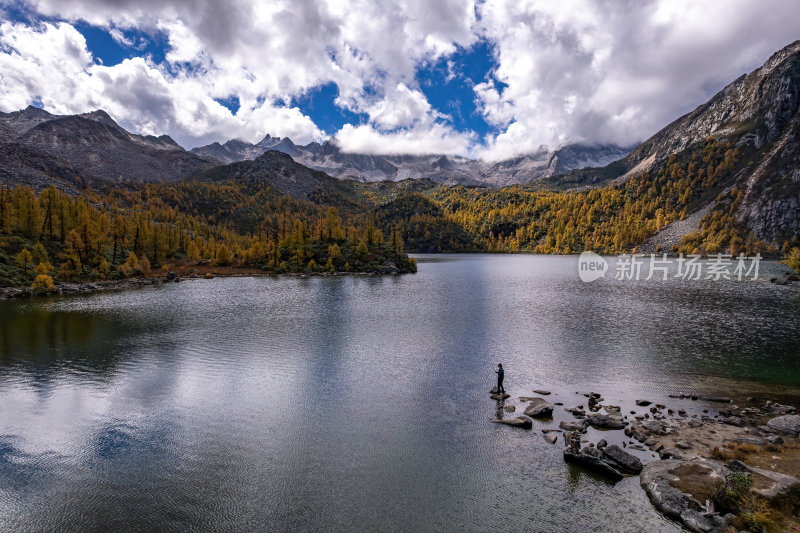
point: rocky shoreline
(710, 463)
(86, 287)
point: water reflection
(351, 403)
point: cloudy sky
(488, 79)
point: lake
(359, 403)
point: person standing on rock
(500, 375)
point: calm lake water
(358, 404)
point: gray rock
(602, 443)
(539, 408)
(573, 425)
(510, 408)
(501, 396)
(755, 441)
(654, 426)
(777, 408)
(786, 424)
(733, 421)
(657, 479)
(609, 421)
(621, 460)
(718, 399)
(673, 453)
(589, 459)
(774, 439)
(542, 392)
(519, 422)
(577, 411)
(550, 437)
(683, 445)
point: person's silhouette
(500, 375)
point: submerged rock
(539, 408)
(573, 426)
(510, 408)
(500, 396)
(643, 403)
(518, 422)
(542, 392)
(718, 399)
(610, 421)
(550, 437)
(577, 411)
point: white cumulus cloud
(592, 71)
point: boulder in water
(539, 408)
(577, 425)
(612, 421)
(519, 422)
(621, 460)
(590, 458)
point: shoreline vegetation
(52, 237)
(179, 274)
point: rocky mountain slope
(38, 147)
(236, 150)
(286, 175)
(450, 170)
(758, 114)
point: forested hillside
(129, 232)
(608, 220)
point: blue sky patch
(231, 102)
(111, 52)
(318, 104)
(448, 85)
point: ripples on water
(352, 403)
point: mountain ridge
(93, 146)
(328, 157)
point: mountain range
(756, 116)
(449, 170)
(37, 147)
